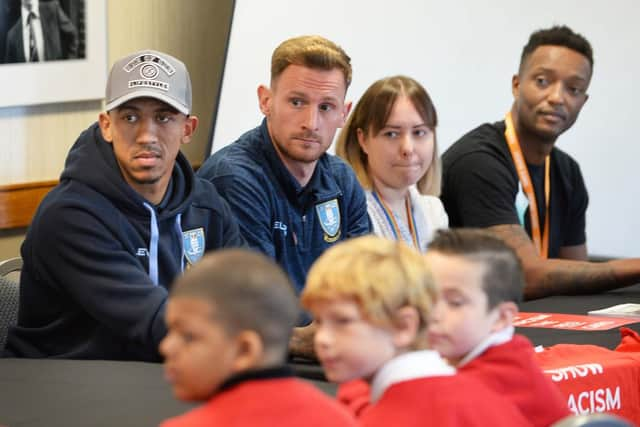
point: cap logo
(150, 67)
(149, 71)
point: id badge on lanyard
(541, 242)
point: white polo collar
(409, 366)
(500, 337)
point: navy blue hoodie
(99, 258)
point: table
(48, 392)
(578, 304)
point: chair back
(9, 296)
(10, 265)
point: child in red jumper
(479, 281)
(370, 298)
(229, 319)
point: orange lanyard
(392, 222)
(527, 186)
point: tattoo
(513, 235)
(564, 277)
(578, 277)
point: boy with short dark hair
(229, 319)
(480, 281)
(371, 298)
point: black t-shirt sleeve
(479, 191)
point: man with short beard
(292, 199)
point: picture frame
(67, 80)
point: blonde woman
(390, 142)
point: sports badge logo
(150, 66)
(329, 216)
(193, 244)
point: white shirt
(37, 29)
(428, 213)
(500, 337)
(409, 366)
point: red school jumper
(511, 370)
(419, 389)
(265, 403)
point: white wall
(464, 53)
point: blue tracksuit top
(99, 259)
(278, 217)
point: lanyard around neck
(388, 213)
(542, 244)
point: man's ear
(405, 327)
(104, 121)
(264, 99)
(515, 86)
(345, 112)
(249, 351)
(190, 125)
(506, 311)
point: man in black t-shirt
(545, 221)
(483, 189)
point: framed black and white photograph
(48, 48)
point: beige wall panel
(195, 31)
(10, 242)
(35, 140)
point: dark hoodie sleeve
(86, 258)
(231, 231)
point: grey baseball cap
(148, 73)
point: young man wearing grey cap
(128, 216)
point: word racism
(599, 400)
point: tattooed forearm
(565, 277)
(575, 277)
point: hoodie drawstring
(178, 228)
(153, 245)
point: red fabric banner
(596, 379)
(574, 322)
